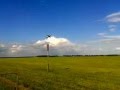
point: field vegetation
(66, 73)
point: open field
(66, 73)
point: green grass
(66, 73)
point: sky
(83, 26)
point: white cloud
(101, 34)
(113, 37)
(16, 48)
(112, 28)
(53, 41)
(113, 18)
(117, 48)
(63, 46)
(58, 46)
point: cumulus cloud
(16, 48)
(58, 45)
(113, 18)
(53, 41)
(62, 46)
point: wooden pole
(48, 67)
(17, 81)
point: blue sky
(77, 20)
(77, 27)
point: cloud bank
(62, 46)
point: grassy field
(66, 73)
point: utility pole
(48, 46)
